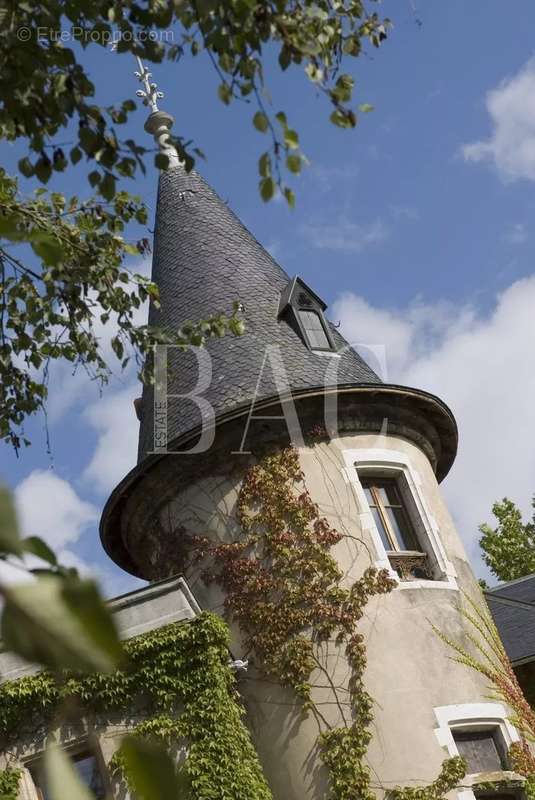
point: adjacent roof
(513, 607)
(204, 261)
(145, 609)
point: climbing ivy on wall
(285, 589)
(9, 783)
(452, 772)
(182, 672)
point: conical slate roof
(204, 261)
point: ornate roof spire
(159, 123)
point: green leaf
(224, 93)
(47, 247)
(84, 601)
(62, 779)
(26, 167)
(314, 73)
(344, 88)
(264, 165)
(267, 189)
(152, 771)
(161, 161)
(291, 139)
(9, 531)
(293, 162)
(107, 186)
(43, 169)
(285, 57)
(39, 548)
(60, 623)
(76, 155)
(290, 197)
(365, 108)
(342, 119)
(261, 122)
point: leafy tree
(62, 259)
(509, 549)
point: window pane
(88, 770)
(401, 529)
(381, 528)
(369, 496)
(314, 330)
(480, 751)
(390, 493)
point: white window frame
(397, 464)
(472, 716)
(27, 787)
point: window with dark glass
(483, 750)
(89, 771)
(389, 512)
(314, 329)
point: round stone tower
(374, 472)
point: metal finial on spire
(149, 93)
(159, 122)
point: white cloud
(516, 234)
(484, 368)
(114, 419)
(49, 507)
(345, 235)
(511, 145)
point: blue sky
(416, 228)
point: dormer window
(314, 330)
(303, 309)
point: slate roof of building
(512, 605)
(204, 260)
